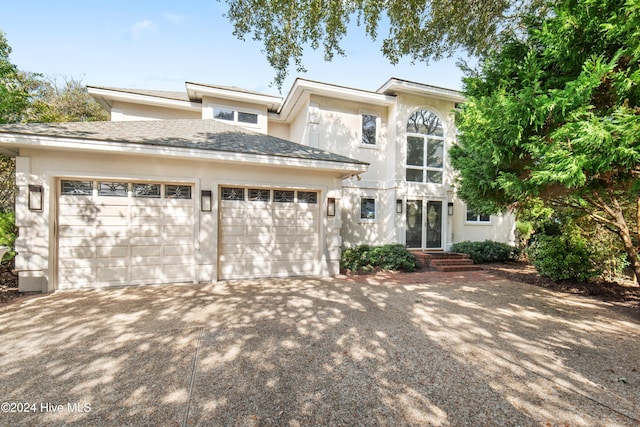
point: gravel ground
(441, 349)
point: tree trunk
(632, 252)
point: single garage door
(120, 233)
(268, 233)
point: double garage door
(268, 233)
(119, 233)
(115, 233)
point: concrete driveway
(424, 349)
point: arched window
(425, 148)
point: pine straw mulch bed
(623, 292)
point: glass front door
(434, 225)
(424, 224)
(414, 223)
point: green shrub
(8, 231)
(487, 251)
(564, 257)
(365, 258)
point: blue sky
(161, 44)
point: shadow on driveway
(447, 349)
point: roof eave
(197, 91)
(395, 85)
(106, 96)
(10, 142)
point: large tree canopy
(14, 94)
(556, 115)
(27, 97)
(420, 29)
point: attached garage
(170, 201)
(268, 232)
(115, 233)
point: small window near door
(367, 208)
(473, 216)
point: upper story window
(369, 125)
(425, 148)
(235, 116)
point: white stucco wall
(126, 111)
(36, 243)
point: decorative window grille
(232, 193)
(149, 191)
(77, 188)
(177, 191)
(308, 197)
(115, 189)
(259, 195)
(282, 196)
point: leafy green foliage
(14, 94)
(27, 97)
(564, 257)
(555, 116)
(8, 230)
(486, 251)
(422, 30)
(365, 258)
(65, 101)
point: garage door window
(177, 191)
(77, 188)
(308, 197)
(283, 196)
(232, 193)
(149, 191)
(259, 195)
(115, 189)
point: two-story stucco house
(222, 183)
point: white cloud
(175, 18)
(142, 27)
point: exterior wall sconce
(399, 206)
(205, 201)
(35, 197)
(450, 208)
(331, 206)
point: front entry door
(424, 224)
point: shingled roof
(167, 94)
(209, 135)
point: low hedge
(365, 258)
(487, 251)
